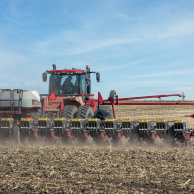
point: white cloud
(184, 27)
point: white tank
(29, 99)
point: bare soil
(92, 169)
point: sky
(139, 47)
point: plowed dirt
(92, 169)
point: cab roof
(67, 71)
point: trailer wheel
(108, 110)
(16, 135)
(69, 112)
(85, 112)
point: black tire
(69, 112)
(112, 94)
(16, 135)
(108, 110)
(85, 112)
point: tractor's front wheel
(85, 112)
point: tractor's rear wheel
(108, 110)
(69, 112)
(85, 112)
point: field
(91, 169)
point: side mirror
(44, 77)
(97, 77)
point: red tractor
(69, 98)
(69, 105)
(69, 94)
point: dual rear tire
(83, 112)
(69, 112)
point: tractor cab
(64, 83)
(70, 81)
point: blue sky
(139, 47)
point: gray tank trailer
(18, 108)
(19, 99)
